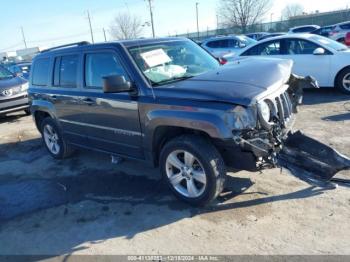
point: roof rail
(67, 45)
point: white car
(323, 58)
(220, 46)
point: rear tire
(343, 81)
(193, 169)
(53, 139)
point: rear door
(111, 120)
(65, 94)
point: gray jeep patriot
(170, 103)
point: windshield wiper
(172, 80)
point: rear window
(41, 72)
(304, 29)
(218, 44)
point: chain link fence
(321, 19)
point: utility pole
(197, 20)
(151, 14)
(24, 38)
(92, 34)
(104, 33)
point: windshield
(4, 73)
(163, 63)
(330, 43)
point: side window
(213, 44)
(69, 70)
(233, 43)
(99, 65)
(270, 48)
(66, 71)
(252, 51)
(41, 72)
(300, 47)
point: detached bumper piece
(311, 160)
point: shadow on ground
(144, 203)
(323, 95)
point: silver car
(221, 46)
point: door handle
(88, 101)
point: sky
(48, 23)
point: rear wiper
(175, 79)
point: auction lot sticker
(156, 57)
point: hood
(241, 82)
(11, 82)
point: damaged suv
(170, 103)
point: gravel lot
(86, 205)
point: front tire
(193, 169)
(343, 81)
(27, 112)
(53, 139)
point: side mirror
(319, 51)
(116, 84)
(242, 45)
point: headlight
(24, 87)
(265, 111)
(241, 118)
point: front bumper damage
(305, 157)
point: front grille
(281, 106)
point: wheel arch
(163, 134)
(338, 74)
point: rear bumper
(14, 104)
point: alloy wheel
(51, 139)
(186, 173)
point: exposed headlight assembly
(265, 114)
(240, 118)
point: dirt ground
(86, 205)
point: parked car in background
(303, 29)
(324, 31)
(13, 92)
(220, 46)
(323, 58)
(21, 69)
(257, 36)
(271, 35)
(339, 31)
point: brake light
(222, 61)
(347, 39)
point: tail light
(347, 39)
(222, 61)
